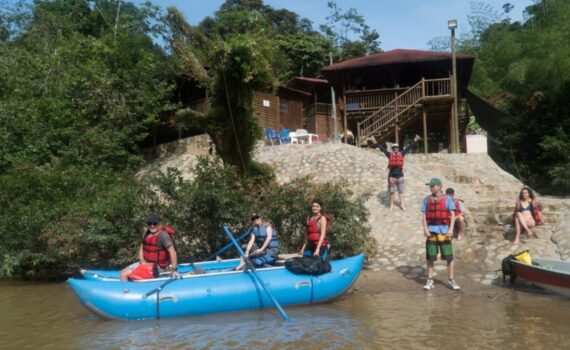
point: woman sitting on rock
(526, 213)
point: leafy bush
(61, 218)
(220, 196)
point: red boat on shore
(553, 275)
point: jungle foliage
(522, 69)
(84, 82)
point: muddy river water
(399, 316)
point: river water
(48, 316)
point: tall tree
(237, 68)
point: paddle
(157, 291)
(228, 246)
(252, 269)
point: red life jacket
(396, 160)
(437, 212)
(151, 251)
(314, 231)
(143, 272)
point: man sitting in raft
(156, 249)
(264, 243)
(396, 170)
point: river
(401, 316)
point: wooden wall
(293, 118)
(267, 116)
(323, 125)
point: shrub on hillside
(59, 218)
(220, 196)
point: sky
(402, 24)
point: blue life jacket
(260, 234)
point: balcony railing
(321, 108)
(371, 99)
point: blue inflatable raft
(216, 291)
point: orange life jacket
(151, 251)
(143, 272)
(437, 212)
(396, 160)
(314, 231)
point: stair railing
(396, 109)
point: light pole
(452, 25)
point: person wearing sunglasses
(156, 253)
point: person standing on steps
(438, 218)
(396, 181)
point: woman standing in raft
(526, 213)
(317, 227)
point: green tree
(238, 67)
(522, 69)
(79, 86)
(343, 26)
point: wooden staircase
(403, 109)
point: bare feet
(391, 206)
(459, 237)
(402, 207)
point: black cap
(154, 218)
(450, 191)
(255, 216)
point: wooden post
(451, 144)
(344, 110)
(424, 116)
(316, 116)
(397, 132)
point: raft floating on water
(213, 292)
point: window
(283, 105)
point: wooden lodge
(386, 96)
(393, 95)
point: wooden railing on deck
(370, 99)
(321, 108)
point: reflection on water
(48, 316)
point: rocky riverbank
(488, 191)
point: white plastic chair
(293, 137)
